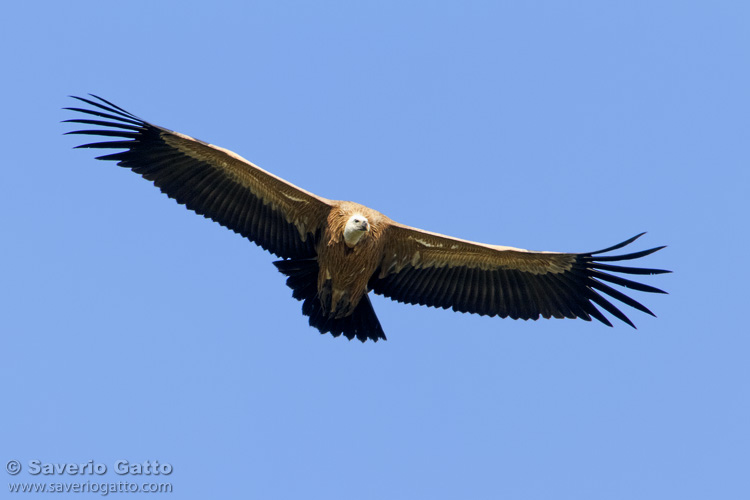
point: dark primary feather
(202, 186)
(575, 293)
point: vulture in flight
(335, 252)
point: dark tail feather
(303, 280)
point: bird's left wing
(420, 267)
(212, 181)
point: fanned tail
(302, 278)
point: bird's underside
(334, 253)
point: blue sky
(132, 329)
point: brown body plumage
(344, 270)
(335, 252)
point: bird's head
(355, 228)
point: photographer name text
(120, 467)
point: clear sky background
(133, 329)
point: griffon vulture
(335, 252)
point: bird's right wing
(211, 181)
(421, 267)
